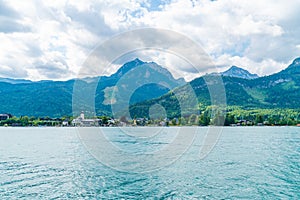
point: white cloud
(51, 39)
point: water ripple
(260, 163)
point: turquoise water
(248, 163)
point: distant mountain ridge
(127, 67)
(237, 72)
(54, 98)
(293, 68)
(14, 81)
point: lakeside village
(8, 120)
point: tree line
(232, 116)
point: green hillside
(280, 90)
(55, 98)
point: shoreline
(106, 127)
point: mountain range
(156, 85)
(279, 90)
(55, 98)
(237, 72)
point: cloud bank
(51, 39)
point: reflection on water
(251, 162)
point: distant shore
(207, 116)
(73, 127)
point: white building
(81, 121)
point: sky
(51, 39)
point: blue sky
(51, 39)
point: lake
(55, 163)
